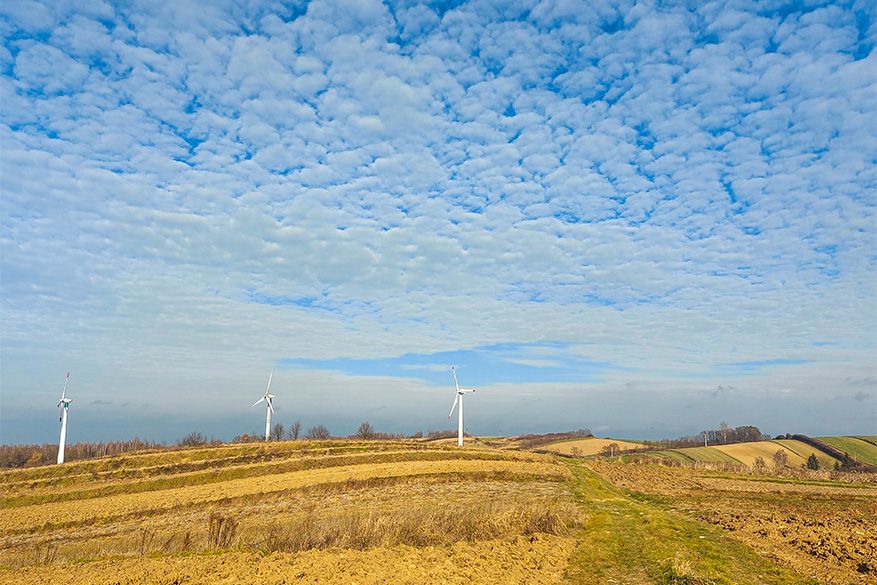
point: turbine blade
(454, 372)
(271, 406)
(454, 405)
(66, 382)
(271, 375)
(258, 401)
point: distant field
(862, 448)
(708, 454)
(746, 453)
(804, 451)
(590, 446)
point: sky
(640, 218)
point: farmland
(427, 512)
(745, 454)
(589, 446)
(862, 448)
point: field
(426, 512)
(297, 506)
(824, 529)
(585, 447)
(862, 448)
(796, 452)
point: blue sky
(641, 218)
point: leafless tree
(277, 432)
(318, 432)
(294, 430)
(365, 431)
(780, 459)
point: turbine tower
(267, 399)
(63, 404)
(458, 397)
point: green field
(859, 448)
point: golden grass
(197, 528)
(803, 450)
(103, 509)
(746, 453)
(418, 525)
(585, 447)
(536, 559)
(21, 494)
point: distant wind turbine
(63, 404)
(267, 399)
(458, 397)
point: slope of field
(747, 453)
(589, 446)
(803, 450)
(858, 448)
(707, 454)
(296, 512)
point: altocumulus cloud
(607, 203)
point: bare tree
(365, 431)
(294, 430)
(759, 464)
(318, 432)
(780, 459)
(724, 428)
(610, 450)
(277, 432)
(193, 439)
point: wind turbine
(267, 399)
(63, 404)
(458, 397)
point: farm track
(633, 541)
(823, 529)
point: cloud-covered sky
(640, 218)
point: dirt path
(634, 540)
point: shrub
(813, 462)
(193, 439)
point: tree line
(724, 435)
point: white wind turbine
(63, 404)
(267, 399)
(458, 397)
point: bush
(813, 462)
(193, 439)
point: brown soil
(823, 531)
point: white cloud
(221, 187)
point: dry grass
(417, 525)
(59, 514)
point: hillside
(410, 511)
(862, 448)
(585, 447)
